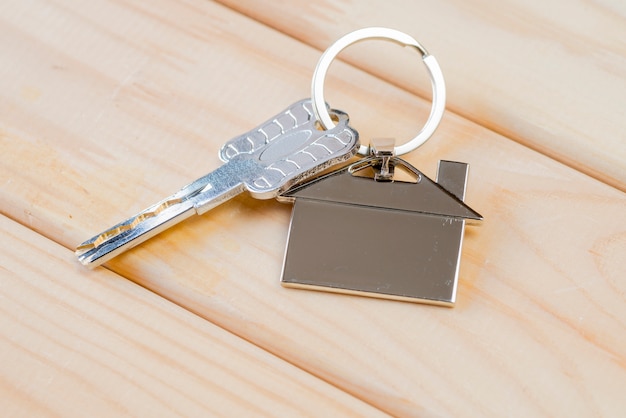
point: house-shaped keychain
(386, 239)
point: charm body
(393, 240)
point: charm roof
(426, 196)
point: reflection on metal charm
(386, 239)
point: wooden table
(108, 106)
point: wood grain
(104, 116)
(78, 343)
(550, 76)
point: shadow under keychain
(379, 236)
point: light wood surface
(107, 107)
(95, 344)
(550, 75)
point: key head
(290, 148)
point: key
(266, 161)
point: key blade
(125, 235)
(224, 183)
(197, 197)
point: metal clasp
(383, 150)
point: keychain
(379, 236)
(351, 234)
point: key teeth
(132, 223)
(82, 249)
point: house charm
(386, 239)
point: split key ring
(434, 71)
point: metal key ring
(434, 71)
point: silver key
(265, 161)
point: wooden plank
(539, 323)
(550, 76)
(94, 344)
